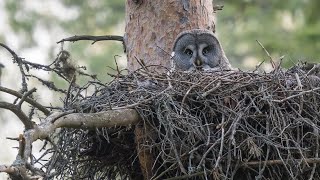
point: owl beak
(198, 62)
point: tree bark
(151, 28)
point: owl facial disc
(198, 49)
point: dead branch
(28, 100)
(18, 60)
(111, 118)
(268, 54)
(297, 95)
(92, 38)
(18, 112)
(16, 172)
(279, 162)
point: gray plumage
(198, 49)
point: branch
(18, 60)
(92, 38)
(15, 172)
(111, 118)
(296, 95)
(18, 112)
(279, 162)
(28, 100)
(25, 95)
(268, 54)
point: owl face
(198, 49)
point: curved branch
(25, 95)
(28, 100)
(111, 118)
(18, 112)
(18, 60)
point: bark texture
(152, 26)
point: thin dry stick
(271, 60)
(185, 96)
(277, 162)
(316, 153)
(165, 171)
(296, 95)
(92, 38)
(221, 144)
(211, 90)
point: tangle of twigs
(198, 125)
(215, 125)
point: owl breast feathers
(198, 49)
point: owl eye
(205, 51)
(188, 52)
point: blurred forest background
(290, 28)
(32, 28)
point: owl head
(198, 49)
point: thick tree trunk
(151, 28)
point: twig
(296, 95)
(211, 90)
(185, 96)
(115, 61)
(271, 60)
(164, 172)
(18, 60)
(277, 162)
(221, 144)
(316, 131)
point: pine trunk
(151, 28)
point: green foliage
(290, 28)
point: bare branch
(18, 60)
(92, 38)
(23, 98)
(296, 95)
(28, 100)
(278, 162)
(18, 112)
(112, 118)
(268, 54)
(17, 172)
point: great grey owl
(198, 49)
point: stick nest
(216, 125)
